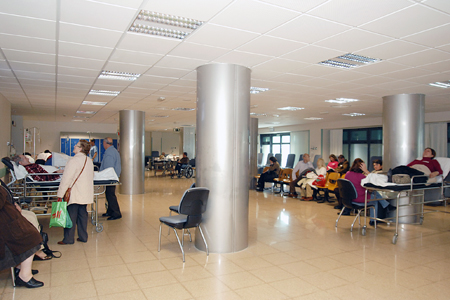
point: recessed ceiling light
(341, 106)
(158, 116)
(187, 125)
(104, 93)
(341, 100)
(168, 26)
(94, 103)
(118, 75)
(276, 116)
(183, 108)
(441, 84)
(85, 112)
(323, 112)
(77, 120)
(162, 108)
(257, 90)
(254, 106)
(313, 118)
(258, 115)
(291, 108)
(348, 61)
(81, 117)
(354, 114)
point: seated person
(42, 157)
(343, 165)
(269, 175)
(333, 164)
(162, 156)
(377, 166)
(425, 166)
(308, 186)
(358, 172)
(35, 168)
(300, 167)
(182, 163)
(19, 241)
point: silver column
(253, 152)
(132, 140)
(403, 136)
(222, 164)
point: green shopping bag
(60, 217)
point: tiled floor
(295, 252)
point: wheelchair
(187, 172)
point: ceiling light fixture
(77, 120)
(341, 100)
(81, 117)
(258, 115)
(348, 61)
(167, 25)
(85, 112)
(104, 93)
(313, 119)
(94, 103)
(183, 108)
(354, 114)
(118, 75)
(158, 116)
(291, 108)
(257, 90)
(441, 84)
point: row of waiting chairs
(289, 162)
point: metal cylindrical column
(132, 140)
(222, 163)
(253, 152)
(403, 136)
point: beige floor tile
(177, 262)
(325, 263)
(252, 263)
(320, 295)
(280, 258)
(191, 273)
(261, 292)
(223, 267)
(69, 265)
(74, 291)
(110, 272)
(132, 257)
(240, 280)
(145, 266)
(294, 287)
(271, 274)
(300, 268)
(135, 295)
(69, 277)
(171, 291)
(116, 285)
(104, 261)
(26, 294)
(205, 287)
(222, 296)
(154, 279)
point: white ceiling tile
(81, 50)
(445, 48)
(77, 62)
(304, 29)
(353, 41)
(280, 65)
(263, 17)
(439, 66)
(271, 46)
(36, 9)
(147, 43)
(392, 49)
(355, 13)
(194, 9)
(422, 58)
(25, 26)
(314, 70)
(432, 37)
(442, 5)
(313, 54)
(30, 57)
(167, 72)
(412, 21)
(242, 58)
(219, 36)
(77, 71)
(406, 74)
(88, 35)
(180, 62)
(125, 67)
(301, 6)
(8, 41)
(114, 17)
(28, 67)
(382, 67)
(344, 75)
(76, 79)
(191, 50)
(135, 57)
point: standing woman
(79, 175)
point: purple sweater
(356, 178)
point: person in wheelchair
(182, 163)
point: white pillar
(222, 163)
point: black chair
(348, 193)
(268, 159)
(290, 161)
(278, 156)
(316, 158)
(192, 206)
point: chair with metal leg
(348, 193)
(191, 207)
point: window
(276, 144)
(362, 143)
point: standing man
(111, 159)
(301, 166)
(93, 153)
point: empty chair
(301, 157)
(268, 158)
(192, 206)
(290, 161)
(316, 158)
(348, 193)
(259, 159)
(278, 156)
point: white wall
(168, 142)
(5, 125)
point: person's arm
(68, 177)
(95, 155)
(363, 168)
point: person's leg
(82, 222)
(113, 205)
(293, 184)
(69, 233)
(376, 195)
(25, 269)
(309, 191)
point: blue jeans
(383, 203)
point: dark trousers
(113, 205)
(266, 177)
(179, 166)
(79, 216)
(293, 184)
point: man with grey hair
(111, 159)
(301, 166)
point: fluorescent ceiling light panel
(348, 61)
(81, 117)
(85, 112)
(354, 114)
(158, 116)
(118, 75)
(258, 115)
(94, 103)
(257, 90)
(77, 120)
(149, 22)
(313, 119)
(341, 100)
(183, 108)
(291, 108)
(441, 84)
(104, 93)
